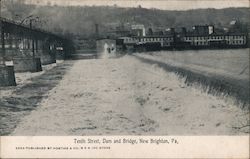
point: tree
(17, 9)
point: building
(219, 40)
(202, 36)
(203, 29)
(164, 40)
(129, 40)
(138, 30)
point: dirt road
(127, 97)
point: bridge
(24, 48)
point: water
(109, 51)
(231, 61)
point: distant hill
(81, 20)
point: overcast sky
(160, 4)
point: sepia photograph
(124, 68)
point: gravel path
(124, 96)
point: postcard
(124, 78)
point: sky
(159, 4)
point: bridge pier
(7, 76)
(60, 55)
(27, 64)
(48, 58)
(48, 53)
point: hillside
(81, 20)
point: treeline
(81, 20)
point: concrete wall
(7, 76)
(27, 64)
